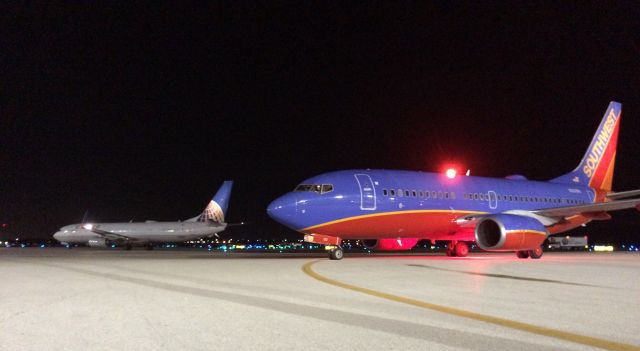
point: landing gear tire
(461, 249)
(535, 253)
(451, 249)
(336, 254)
(522, 254)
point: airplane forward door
(367, 192)
(493, 200)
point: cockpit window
(327, 188)
(317, 188)
(304, 187)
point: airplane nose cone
(57, 236)
(283, 210)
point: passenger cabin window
(393, 192)
(406, 193)
(384, 192)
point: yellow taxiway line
(530, 328)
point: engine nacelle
(507, 232)
(97, 242)
(390, 244)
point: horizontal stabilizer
(623, 194)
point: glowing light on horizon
(603, 248)
(451, 173)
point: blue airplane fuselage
(360, 204)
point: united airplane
(207, 224)
(393, 210)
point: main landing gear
(535, 253)
(459, 249)
(336, 254)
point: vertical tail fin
(596, 167)
(217, 207)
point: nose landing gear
(336, 254)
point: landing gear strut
(451, 246)
(336, 254)
(459, 249)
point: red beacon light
(451, 173)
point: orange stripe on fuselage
(418, 223)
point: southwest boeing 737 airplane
(207, 224)
(393, 210)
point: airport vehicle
(567, 242)
(393, 210)
(207, 224)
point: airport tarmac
(89, 299)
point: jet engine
(506, 232)
(390, 244)
(98, 242)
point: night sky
(140, 112)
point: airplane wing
(589, 208)
(107, 234)
(549, 216)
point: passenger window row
(419, 194)
(520, 198)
